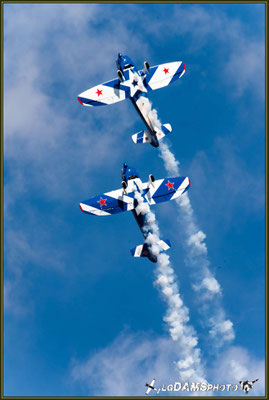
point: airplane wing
(108, 203)
(148, 390)
(107, 93)
(163, 75)
(150, 386)
(166, 189)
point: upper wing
(166, 189)
(108, 203)
(106, 93)
(163, 74)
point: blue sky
(81, 316)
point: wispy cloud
(124, 366)
(239, 54)
(52, 144)
(236, 364)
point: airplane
(135, 85)
(150, 386)
(247, 385)
(127, 199)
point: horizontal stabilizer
(164, 244)
(140, 251)
(143, 250)
(141, 137)
(161, 133)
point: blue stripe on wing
(178, 73)
(91, 102)
(107, 204)
(167, 189)
(148, 76)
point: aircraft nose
(119, 55)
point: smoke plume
(177, 318)
(203, 282)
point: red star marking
(170, 185)
(146, 138)
(102, 202)
(166, 70)
(99, 92)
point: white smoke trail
(220, 328)
(204, 283)
(177, 316)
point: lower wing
(167, 189)
(163, 75)
(108, 203)
(106, 93)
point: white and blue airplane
(135, 85)
(125, 199)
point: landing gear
(124, 185)
(151, 178)
(146, 66)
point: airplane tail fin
(142, 136)
(143, 250)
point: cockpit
(124, 62)
(132, 177)
(127, 66)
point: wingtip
(184, 66)
(81, 208)
(80, 101)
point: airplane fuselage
(141, 207)
(139, 97)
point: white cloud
(52, 145)
(56, 51)
(240, 56)
(236, 364)
(123, 367)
